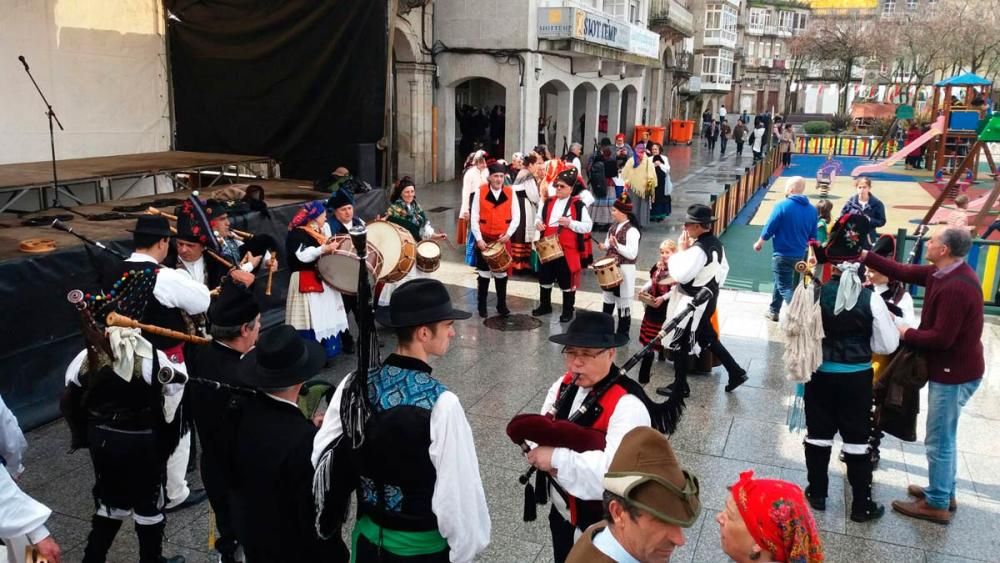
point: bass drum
(398, 249)
(340, 269)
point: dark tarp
(302, 81)
(41, 329)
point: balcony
(760, 62)
(671, 19)
(769, 30)
(682, 64)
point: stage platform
(20, 178)
(41, 330)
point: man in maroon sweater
(951, 328)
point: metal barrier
(734, 197)
(846, 145)
(983, 257)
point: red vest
(567, 238)
(494, 216)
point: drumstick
(270, 276)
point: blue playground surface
(806, 165)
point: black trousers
(563, 534)
(368, 552)
(213, 477)
(839, 402)
(129, 470)
(556, 271)
(739, 147)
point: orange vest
(495, 216)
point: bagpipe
(545, 430)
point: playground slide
(936, 129)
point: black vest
(296, 238)
(154, 313)
(848, 335)
(713, 249)
(133, 405)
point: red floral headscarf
(307, 213)
(778, 519)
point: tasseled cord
(803, 328)
(535, 495)
(322, 480)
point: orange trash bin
(637, 134)
(681, 131)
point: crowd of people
(280, 474)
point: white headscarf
(849, 288)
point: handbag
(908, 367)
(309, 282)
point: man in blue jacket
(792, 225)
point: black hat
(568, 176)
(284, 359)
(340, 198)
(187, 227)
(847, 240)
(419, 302)
(215, 209)
(885, 246)
(154, 225)
(699, 213)
(497, 167)
(591, 329)
(234, 306)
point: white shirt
(172, 392)
(12, 442)
(459, 502)
(606, 542)
(909, 318)
(515, 214)
(309, 254)
(885, 336)
(758, 138)
(530, 188)
(631, 248)
(21, 515)
(196, 269)
(584, 225)
(722, 113)
(581, 474)
(685, 265)
(473, 178)
(176, 289)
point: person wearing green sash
(406, 445)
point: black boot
(661, 354)
(502, 309)
(624, 321)
(608, 308)
(483, 290)
(859, 475)
(817, 466)
(737, 375)
(347, 342)
(569, 299)
(102, 535)
(150, 542)
(545, 302)
(645, 367)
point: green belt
(397, 542)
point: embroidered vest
(154, 312)
(620, 238)
(495, 215)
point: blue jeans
(944, 404)
(783, 268)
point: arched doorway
(609, 113)
(627, 118)
(585, 112)
(480, 113)
(555, 117)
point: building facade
(767, 68)
(674, 22)
(715, 55)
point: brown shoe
(920, 509)
(918, 492)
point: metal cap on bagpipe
(359, 238)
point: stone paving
(499, 374)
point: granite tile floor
(499, 374)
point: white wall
(102, 66)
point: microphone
(24, 62)
(702, 297)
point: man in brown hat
(648, 498)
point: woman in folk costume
(526, 189)
(407, 213)
(664, 187)
(639, 175)
(515, 167)
(658, 287)
(474, 175)
(314, 308)
(622, 244)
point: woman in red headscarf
(768, 520)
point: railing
(673, 14)
(842, 145)
(734, 197)
(983, 257)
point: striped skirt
(652, 322)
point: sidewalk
(499, 374)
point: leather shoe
(771, 316)
(920, 509)
(196, 496)
(816, 503)
(668, 390)
(735, 382)
(918, 492)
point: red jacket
(951, 322)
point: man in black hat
(495, 217)
(407, 438)
(700, 263)
(592, 395)
(191, 257)
(268, 466)
(235, 326)
(341, 203)
(246, 255)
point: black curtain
(302, 81)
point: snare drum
(340, 269)
(497, 257)
(399, 250)
(609, 275)
(428, 256)
(548, 249)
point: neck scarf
(849, 288)
(408, 215)
(778, 519)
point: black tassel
(668, 414)
(541, 487)
(530, 511)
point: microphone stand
(51, 114)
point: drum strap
(316, 235)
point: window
(767, 51)
(911, 4)
(751, 49)
(717, 69)
(800, 21)
(720, 23)
(888, 7)
(633, 12)
(616, 8)
(756, 23)
(785, 20)
(777, 50)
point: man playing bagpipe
(113, 401)
(247, 255)
(400, 439)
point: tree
(914, 57)
(975, 44)
(798, 61)
(839, 44)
